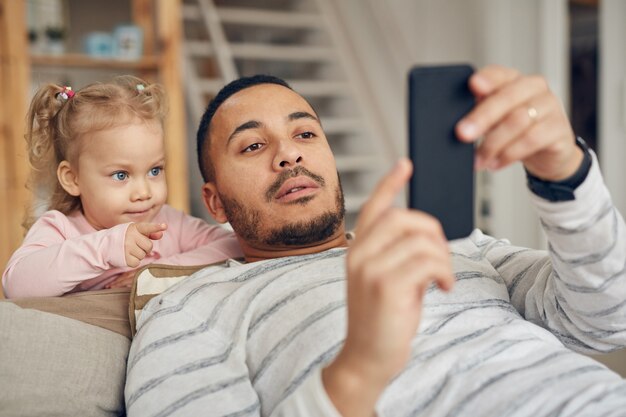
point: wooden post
(14, 84)
(143, 15)
(170, 37)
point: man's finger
(385, 193)
(491, 78)
(393, 227)
(404, 251)
(147, 229)
(494, 108)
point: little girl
(97, 154)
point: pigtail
(45, 151)
(149, 101)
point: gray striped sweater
(251, 339)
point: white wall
(612, 112)
(528, 35)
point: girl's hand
(123, 280)
(138, 241)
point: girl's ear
(68, 178)
(213, 203)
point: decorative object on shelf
(128, 41)
(47, 26)
(32, 41)
(55, 40)
(99, 45)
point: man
(401, 323)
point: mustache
(285, 175)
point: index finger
(385, 193)
(147, 229)
(512, 91)
(491, 78)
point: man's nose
(141, 190)
(288, 155)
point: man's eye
(155, 171)
(119, 176)
(253, 147)
(306, 135)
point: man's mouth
(296, 188)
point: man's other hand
(520, 120)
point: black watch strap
(562, 190)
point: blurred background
(349, 58)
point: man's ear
(68, 178)
(213, 203)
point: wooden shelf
(148, 63)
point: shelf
(150, 63)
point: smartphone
(443, 167)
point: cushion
(103, 308)
(152, 280)
(57, 366)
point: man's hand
(521, 120)
(396, 255)
(123, 280)
(138, 241)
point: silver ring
(532, 113)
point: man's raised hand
(396, 255)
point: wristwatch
(562, 190)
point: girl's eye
(306, 135)
(155, 171)
(120, 176)
(253, 147)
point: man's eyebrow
(250, 124)
(302, 115)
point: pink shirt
(65, 253)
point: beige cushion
(103, 308)
(56, 366)
(151, 281)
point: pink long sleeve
(199, 243)
(55, 257)
(64, 253)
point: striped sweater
(251, 339)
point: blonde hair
(56, 125)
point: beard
(246, 221)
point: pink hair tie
(66, 93)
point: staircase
(298, 41)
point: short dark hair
(202, 137)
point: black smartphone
(443, 176)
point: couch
(66, 356)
